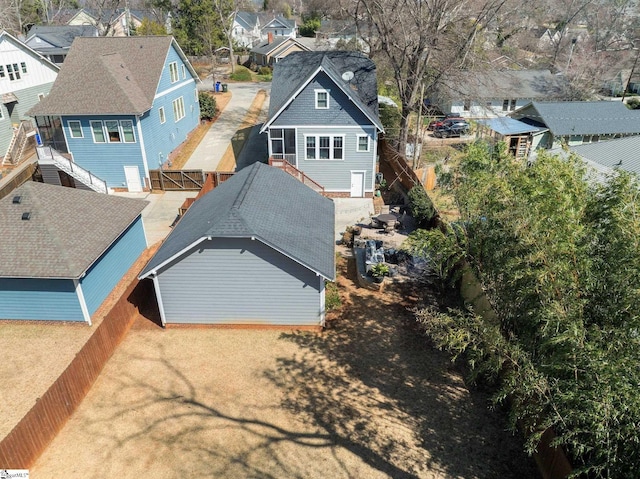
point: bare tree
(226, 10)
(422, 41)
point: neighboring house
(278, 26)
(275, 49)
(25, 78)
(497, 93)
(577, 122)
(64, 250)
(323, 119)
(333, 31)
(257, 249)
(246, 29)
(125, 114)
(607, 157)
(623, 80)
(120, 22)
(250, 29)
(518, 136)
(53, 41)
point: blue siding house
(64, 250)
(120, 106)
(323, 119)
(248, 253)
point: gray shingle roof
(290, 73)
(61, 36)
(622, 153)
(67, 232)
(108, 76)
(582, 117)
(265, 203)
(265, 47)
(250, 19)
(531, 84)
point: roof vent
(17, 200)
(26, 216)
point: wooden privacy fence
(30, 437)
(398, 163)
(25, 175)
(214, 178)
(174, 180)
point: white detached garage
(255, 250)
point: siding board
(239, 281)
(39, 299)
(108, 270)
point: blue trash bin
(217, 87)
(38, 139)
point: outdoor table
(386, 219)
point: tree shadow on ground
(376, 385)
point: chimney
(270, 38)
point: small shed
(63, 250)
(257, 249)
(518, 135)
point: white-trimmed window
(13, 71)
(98, 132)
(324, 147)
(178, 109)
(163, 118)
(363, 143)
(127, 131)
(113, 131)
(23, 67)
(2, 74)
(322, 99)
(184, 72)
(75, 128)
(173, 72)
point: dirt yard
(366, 398)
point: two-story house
(323, 119)
(249, 29)
(54, 41)
(25, 78)
(120, 106)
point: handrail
(73, 169)
(17, 142)
(296, 173)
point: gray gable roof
(249, 19)
(108, 76)
(267, 19)
(582, 117)
(622, 153)
(61, 36)
(298, 68)
(264, 203)
(530, 84)
(265, 47)
(67, 232)
(5, 36)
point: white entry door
(357, 184)
(132, 176)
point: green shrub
(309, 27)
(422, 208)
(264, 71)
(208, 107)
(633, 103)
(241, 74)
(332, 296)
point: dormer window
(322, 99)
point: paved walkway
(212, 147)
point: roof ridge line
(245, 188)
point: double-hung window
(324, 147)
(363, 143)
(113, 131)
(322, 99)
(75, 129)
(178, 109)
(127, 131)
(98, 132)
(163, 118)
(173, 72)
(13, 71)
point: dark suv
(451, 127)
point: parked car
(451, 127)
(438, 122)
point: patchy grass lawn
(368, 397)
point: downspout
(145, 164)
(83, 303)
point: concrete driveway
(210, 150)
